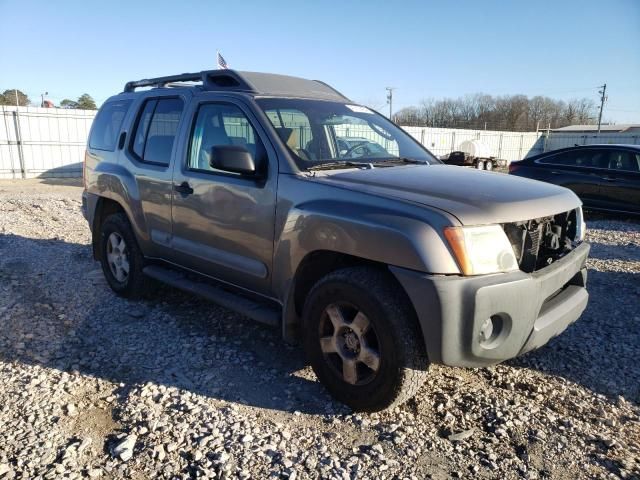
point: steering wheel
(303, 153)
(350, 150)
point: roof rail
(211, 79)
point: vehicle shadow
(74, 323)
(57, 311)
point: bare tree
(508, 112)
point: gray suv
(237, 186)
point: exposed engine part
(540, 242)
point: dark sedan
(605, 177)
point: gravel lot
(94, 386)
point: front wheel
(480, 165)
(363, 340)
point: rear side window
(579, 158)
(156, 130)
(623, 160)
(107, 124)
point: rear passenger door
(620, 188)
(223, 223)
(149, 150)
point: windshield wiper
(340, 164)
(401, 160)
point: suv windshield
(318, 132)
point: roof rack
(253, 82)
(211, 79)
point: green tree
(8, 97)
(66, 103)
(85, 102)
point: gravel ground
(94, 386)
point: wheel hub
(351, 340)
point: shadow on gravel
(601, 350)
(624, 253)
(62, 181)
(57, 311)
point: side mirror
(232, 158)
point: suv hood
(475, 197)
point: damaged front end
(539, 242)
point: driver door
(223, 222)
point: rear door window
(107, 124)
(156, 130)
(624, 161)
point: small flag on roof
(222, 63)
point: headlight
(481, 250)
(581, 227)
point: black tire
(402, 361)
(135, 283)
(488, 165)
(480, 165)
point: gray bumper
(527, 310)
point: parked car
(605, 177)
(236, 189)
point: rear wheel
(480, 165)
(120, 257)
(362, 339)
(488, 165)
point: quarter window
(222, 124)
(107, 124)
(156, 130)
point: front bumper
(526, 310)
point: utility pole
(603, 97)
(15, 91)
(390, 101)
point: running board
(260, 312)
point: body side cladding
(110, 181)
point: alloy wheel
(349, 344)
(118, 257)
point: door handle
(183, 189)
(555, 172)
(609, 179)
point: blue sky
(562, 49)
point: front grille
(539, 242)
